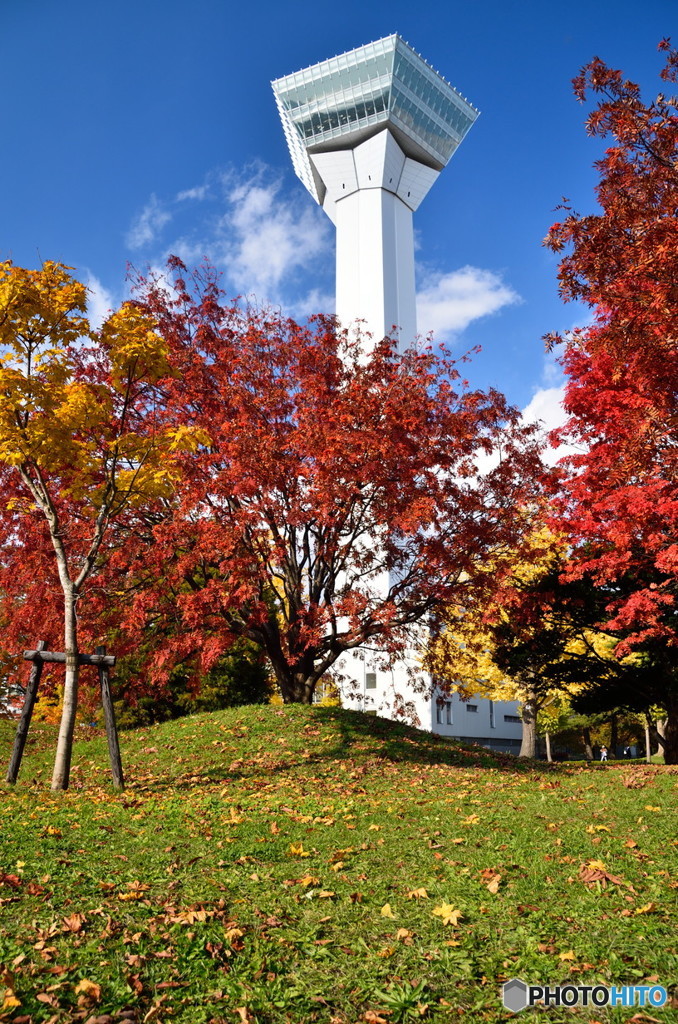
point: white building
(369, 132)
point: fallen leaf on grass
(10, 1001)
(73, 923)
(386, 911)
(447, 913)
(595, 871)
(305, 880)
(49, 999)
(89, 988)
(568, 955)
(136, 891)
(417, 894)
(491, 878)
(12, 881)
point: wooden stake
(26, 715)
(109, 720)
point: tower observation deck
(368, 132)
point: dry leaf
(448, 914)
(417, 894)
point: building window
(444, 712)
(471, 707)
(370, 680)
(493, 724)
(512, 718)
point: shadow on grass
(402, 743)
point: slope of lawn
(314, 865)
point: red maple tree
(337, 502)
(620, 497)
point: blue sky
(138, 128)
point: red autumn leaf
(619, 495)
(312, 450)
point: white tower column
(375, 265)
(371, 193)
(368, 132)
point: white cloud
(100, 301)
(198, 193)
(316, 301)
(148, 225)
(546, 408)
(263, 239)
(448, 303)
(266, 238)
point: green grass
(278, 865)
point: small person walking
(603, 753)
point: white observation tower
(369, 132)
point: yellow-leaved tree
(82, 447)
(534, 641)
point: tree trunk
(658, 736)
(670, 734)
(296, 687)
(62, 761)
(529, 740)
(588, 748)
(547, 738)
(648, 744)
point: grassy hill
(311, 864)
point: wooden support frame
(103, 662)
